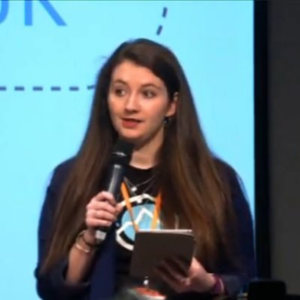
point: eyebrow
(143, 85)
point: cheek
(158, 118)
(112, 109)
(113, 116)
(155, 121)
(157, 114)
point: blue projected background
(50, 53)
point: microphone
(120, 159)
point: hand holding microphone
(102, 211)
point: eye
(149, 94)
(119, 92)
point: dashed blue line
(159, 30)
(55, 88)
(74, 88)
(19, 88)
(37, 88)
(164, 15)
(42, 88)
(165, 11)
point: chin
(130, 138)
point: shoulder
(60, 174)
(58, 177)
(233, 181)
(226, 172)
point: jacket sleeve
(52, 285)
(236, 279)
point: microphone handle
(113, 186)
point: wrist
(82, 246)
(88, 237)
(86, 242)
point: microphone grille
(122, 152)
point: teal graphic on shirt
(143, 207)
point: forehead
(132, 73)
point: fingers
(176, 266)
(174, 273)
(175, 281)
(101, 214)
(98, 223)
(179, 265)
(102, 210)
(107, 197)
(168, 270)
(102, 206)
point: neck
(145, 156)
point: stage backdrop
(50, 53)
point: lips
(131, 120)
(130, 123)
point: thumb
(119, 208)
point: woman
(143, 97)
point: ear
(172, 106)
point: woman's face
(138, 103)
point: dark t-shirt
(142, 186)
(52, 285)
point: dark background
(277, 115)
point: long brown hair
(191, 184)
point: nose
(132, 103)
